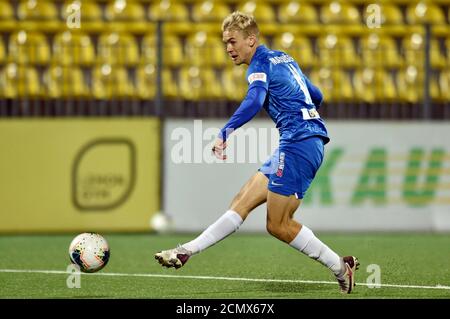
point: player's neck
(252, 53)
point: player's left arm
(314, 91)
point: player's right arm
(249, 107)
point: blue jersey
(291, 100)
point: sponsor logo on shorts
(280, 165)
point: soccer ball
(90, 251)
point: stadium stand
(297, 12)
(73, 47)
(114, 51)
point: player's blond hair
(239, 21)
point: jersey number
(300, 82)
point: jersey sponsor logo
(257, 77)
(281, 59)
(280, 165)
(310, 114)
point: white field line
(61, 272)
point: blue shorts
(293, 166)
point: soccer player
(276, 83)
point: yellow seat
(146, 82)
(447, 47)
(109, 81)
(90, 14)
(65, 82)
(337, 50)
(199, 84)
(424, 12)
(28, 48)
(2, 52)
(444, 85)
(297, 46)
(413, 47)
(338, 12)
(374, 85)
(19, 82)
(234, 83)
(297, 12)
(379, 51)
(38, 15)
(210, 11)
(262, 12)
(410, 83)
(205, 49)
(73, 48)
(118, 48)
(125, 15)
(172, 50)
(7, 19)
(168, 11)
(334, 83)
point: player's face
(240, 49)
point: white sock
(227, 224)
(310, 245)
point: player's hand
(219, 149)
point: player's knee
(274, 228)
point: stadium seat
(410, 83)
(297, 12)
(413, 47)
(118, 48)
(377, 51)
(168, 11)
(65, 82)
(146, 82)
(7, 20)
(424, 12)
(19, 81)
(110, 81)
(297, 46)
(234, 83)
(38, 15)
(2, 52)
(172, 50)
(205, 49)
(391, 14)
(334, 83)
(262, 11)
(210, 11)
(125, 15)
(199, 83)
(338, 12)
(447, 48)
(91, 20)
(444, 84)
(337, 50)
(28, 48)
(73, 48)
(374, 85)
